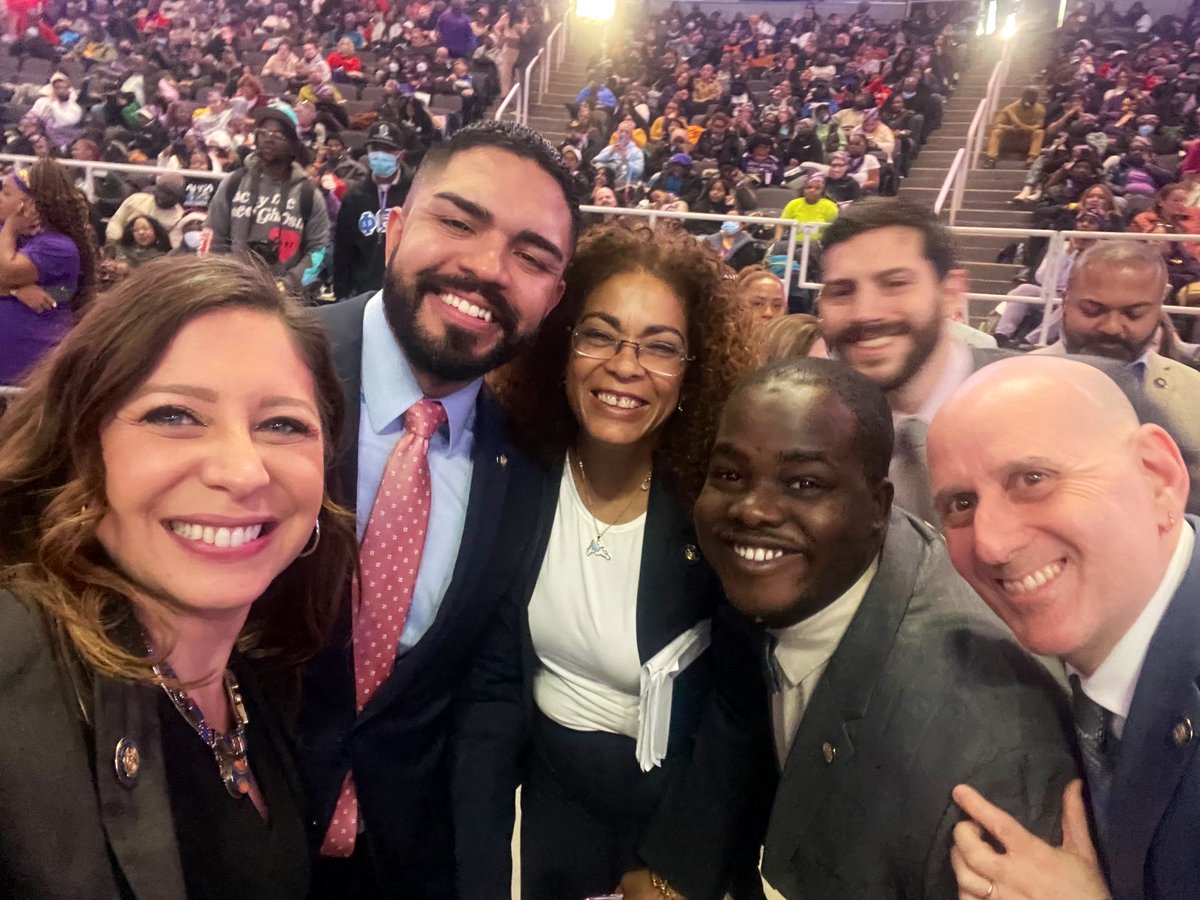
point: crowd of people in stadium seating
(1110, 142)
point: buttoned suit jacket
(676, 590)
(926, 690)
(1172, 392)
(70, 829)
(396, 744)
(1152, 825)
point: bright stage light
(597, 10)
(1010, 26)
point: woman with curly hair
(47, 263)
(618, 396)
(167, 550)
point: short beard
(925, 337)
(1128, 351)
(453, 357)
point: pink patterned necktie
(391, 557)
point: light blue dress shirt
(389, 388)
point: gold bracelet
(662, 886)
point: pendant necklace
(595, 547)
(228, 748)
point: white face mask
(191, 239)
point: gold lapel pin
(128, 762)
(502, 461)
(1182, 732)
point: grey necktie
(1097, 743)
(909, 473)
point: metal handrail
(90, 168)
(551, 56)
(523, 113)
(951, 179)
(514, 91)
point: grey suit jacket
(926, 690)
(1172, 390)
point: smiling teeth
(466, 306)
(757, 554)
(1034, 580)
(618, 401)
(875, 342)
(216, 537)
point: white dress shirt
(802, 654)
(1115, 680)
(389, 388)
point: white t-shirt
(869, 165)
(583, 621)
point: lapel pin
(1160, 382)
(1182, 732)
(690, 553)
(128, 762)
(828, 751)
(502, 461)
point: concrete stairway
(550, 117)
(988, 192)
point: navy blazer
(676, 590)
(395, 745)
(927, 689)
(1152, 843)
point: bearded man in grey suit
(859, 678)
(1112, 308)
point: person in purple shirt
(454, 30)
(47, 264)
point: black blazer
(69, 828)
(926, 689)
(1153, 820)
(676, 590)
(396, 745)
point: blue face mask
(1145, 130)
(382, 163)
(729, 228)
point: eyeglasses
(269, 134)
(660, 357)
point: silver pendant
(597, 548)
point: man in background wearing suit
(887, 680)
(891, 286)
(1068, 517)
(475, 263)
(1112, 308)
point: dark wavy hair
(531, 386)
(64, 208)
(52, 473)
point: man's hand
(1029, 869)
(35, 298)
(636, 885)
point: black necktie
(1097, 743)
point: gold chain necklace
(595, 547)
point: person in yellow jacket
(1019, 126)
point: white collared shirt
(802, 654)
(1115, 680)
(958, 370)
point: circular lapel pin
(128, 762)
(690, 553)
(1182, 732)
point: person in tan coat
(1018, 127)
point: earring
(316, 539)
(679, 408)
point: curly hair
(531, 386)
(64, 208)
(52, 472)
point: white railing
(557, 35)
(514, 91)
(92, 168)
(523, 109)
(950, 185)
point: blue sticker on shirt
(367, 223)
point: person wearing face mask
(191, 235)
(361, 222)
(1135, 175)
(734, 246)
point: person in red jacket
(344, 61)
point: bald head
(1059, 508)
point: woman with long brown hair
(618, 396)
(47, 263)
(166, 544)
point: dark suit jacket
(69, 828)
(676, 589)
(1150, 845)
(926, 690)
(395, 745)
(359, 258)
